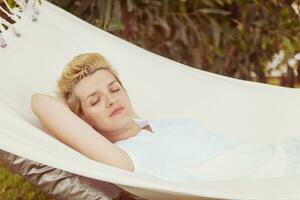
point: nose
(110, 99)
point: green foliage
(13, 186)
(11, 3)
(230, 37)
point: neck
(130, 130)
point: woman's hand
(70, 129)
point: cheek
(94, 115)
(125, 98)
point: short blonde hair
(79, 67)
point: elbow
(42, 102)
(35, 101)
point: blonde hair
(79, 67)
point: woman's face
(100, 95)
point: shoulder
(173, 123)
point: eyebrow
(96, 91)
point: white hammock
(158, 88)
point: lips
(117, 111)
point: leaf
(162, 23)
(287, 43)
(130, 5)
(115, 25)
(85, 5)
(264, 43)
(216, 31)
(214, 11)
(107, 16)
(208, 3)
(11, 3)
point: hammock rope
(24, 7)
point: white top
(180, 150)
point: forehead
(99, 80)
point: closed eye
(116, 90)
(95, 102)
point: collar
(143, 122)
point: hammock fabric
(158, 88)
(59, 184)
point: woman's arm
(70, 129)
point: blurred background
(254, 40)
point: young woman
(93, 115)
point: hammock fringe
(23, 7)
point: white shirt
(180, 150)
